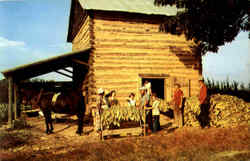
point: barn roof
(133, 6)
(46, 66)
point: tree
(210, 23)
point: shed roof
(133, 6)
(45, 66)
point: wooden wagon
(128, 131)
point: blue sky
(32, 30)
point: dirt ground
(185, 144)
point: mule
(67, 102)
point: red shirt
(203, 94)
(178, 94)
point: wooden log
(66, 75)
(144, 64)
(133, 77)
(122, 56)
(67, 70)
(123, 23)
(146, 69)
(83, 37)
(15, 100)
(80, 62)
(10, 109)
(141, 49)
(123, 132)
(142, 46)
(140, 40)
(83, 31)
(140, 35)
(136, 62)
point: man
(204, 115)
(147, 85)
(145, 102)
(144, 97)
(177, 102)
(97, 112)
(102, 100)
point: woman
(111, 100)
(131, 100)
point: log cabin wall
(82, 38)
(126, 45)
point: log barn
(118, 45)
(127, 48)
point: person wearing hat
(204, 119)
(101, 105)
(145, 102)
(144, 97)
(177, 102)
(102, 102)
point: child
(131, 100)
(155, 113)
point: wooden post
(102, 138)
(144, 120)
(10, 122)
(15, 101)
(189, 88)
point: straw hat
(201, 79)
(100, 91)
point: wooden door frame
(152, 76)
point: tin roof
(133, 6)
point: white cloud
(10, 43)
(14, 54)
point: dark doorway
(157, 86)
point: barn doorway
(157, 86)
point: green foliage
(210, 23)
(233, 88)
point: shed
(78, 60)
(128, 48)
